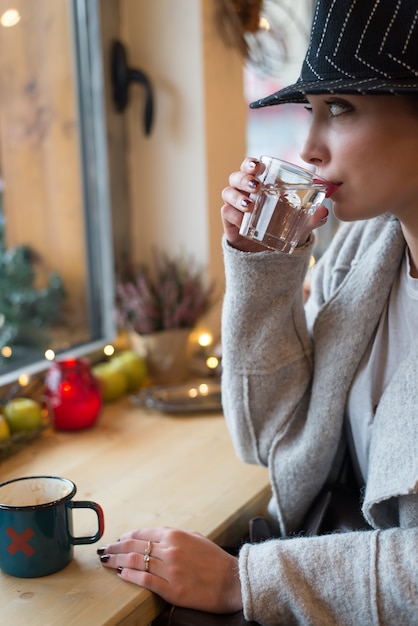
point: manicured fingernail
(119, 570)
(253, 184)
(252, 165)
(101, 550)
(245, 203)
(104, 558)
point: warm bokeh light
(204, 389)
(192, 392)
(11, 17)
(49, 355)
(212, 362)
(205, 339)
(263, 24)
(24, 380)
(109, 350)
(6, 352)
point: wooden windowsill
(145, 469)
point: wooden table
(146, 469)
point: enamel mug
(36, 525)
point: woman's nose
(310, 152)
(314, 149)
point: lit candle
(73, 394)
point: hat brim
(298, 91)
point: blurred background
(120, 122)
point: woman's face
(369, 146)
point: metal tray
(191, 397)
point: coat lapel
(345, 325)
(393, 461)
(341, 333)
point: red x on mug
(20, 542)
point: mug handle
(87, 504)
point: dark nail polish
(253, 184)
(104, 558)
(101, 550)
(119, 570)
(245, 203)
(253, 164)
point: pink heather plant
(172, 295)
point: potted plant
(158, 306)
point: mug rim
(44, 505)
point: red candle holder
(73, 394)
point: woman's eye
(338, 108)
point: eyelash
(343, 107)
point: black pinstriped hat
(357, 47)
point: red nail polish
(104, 558)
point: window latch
(122, 76)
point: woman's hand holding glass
(238, 201)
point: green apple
(4, 428)
(23, 414)
(133, 366)
(113, 382)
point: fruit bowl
(18, 441)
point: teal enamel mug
(36, 525)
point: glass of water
(288, 196)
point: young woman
(303, 382)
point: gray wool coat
(287, 370)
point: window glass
(56, 268)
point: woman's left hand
(184, 568)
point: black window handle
(122, 76)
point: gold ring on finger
(147, 555)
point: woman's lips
(330, 187)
